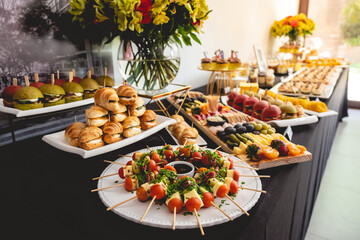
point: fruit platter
(150, 187)
(266, 108)
(235, 134)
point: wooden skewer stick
(109, 208)
(217, 148)
(260, 176)
(198, 220)
(251, 189)
(117, 185)
(247, 214)
(174, 219)
(105, 176)
(216, 206)
(240, 166)
(146, 211)
(120, 155)
(114, 162)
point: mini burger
(74, 91)
(119, 115)
(90, 138)
(89, 85)
(138, 108)
(8, 93)
(271, 112)
(72, 133)
(112, 132)
(131, 126)
(238, 102)
(288, 111)
(148, 120)
(127, 94)
(96, 116)
(248, 105)
(105, 80)
(258, 107)
(53, 94)
(232, 95)
(28, 98)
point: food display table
(46, 193)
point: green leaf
(177, 39)
(195, 38)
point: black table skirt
(46, 192)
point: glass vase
(149, 65)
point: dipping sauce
(182, 168)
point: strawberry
(280, 145)
(254, 152)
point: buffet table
(46, 192)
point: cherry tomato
(128, 184)
(207, 199)
(121, 173)
(202, 169)
(171, 168)
(231, 163)
(222, 191)
(219, 153)
(141, 194)
(193, 203)
(134, 155)
(175, 202)
(129, 163)
(196, 156)
(205, 160)
(168, 146)
(156, 157)
(185, 152)
(152, 165)
(234, 187)
(158, 169)
(169, 155)
(236, 175)
(157, 191)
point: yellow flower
(173, 11)
(123, 10)
(77, 7)
(161, 19)
(135, 22)
(159, 6)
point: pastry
(189, 136)
(148, 120)
(131, 126)
(112, 132)
(72, 133)
(127, 94)
(138, 108)
(96, 116)
(90, 138)
(119, 115)
(107, 98)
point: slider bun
(107, 98)
(131, 132)
(148, 116)
(133, 108)
(89, 134)
(112, 128)
(178, 118)
(131, 121)
(90, 145)
(95, 112)
(118, 117)
(127, 94)
(108, 138)
(72, 133)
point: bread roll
(96, 116)
(126, 94)
(189, 136)
(131, 126)
(112, 132)
(72, 133)
(120, 115)
(138, 108)
(90, 138)
(148, 120)
(107, 98)
(178, 119)
(178, 129)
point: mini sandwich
(28, 98)
(96, 116)
(112, 132)
(189, 136)
(131, 126)
(127, 94)
(288, 111)
(53, 94)
(107, 98)
(138, 108)
(90, 138)
(89, 85)
(74, 91)
(72, 133)
(119, 115)
(148, 120)
(8, 93)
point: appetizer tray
(329, 112)
(58, 140)
(38, 111)
(263, 164)
(159, 215)
(329, 88)
(306, 119)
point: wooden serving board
(263, 164)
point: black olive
(250, 128)
(230, 130)
(238, 125)
(241, 129)
(219, 133)
(201, 99)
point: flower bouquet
(293, 27)
(148, 30)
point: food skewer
(114, 162)
(147, 209)
(216, 206)
(120, 155)
(242, 209)
(98, 189)
(116, 205)
(251, 189)
(174, 219)
(198, 220)
(260, 176)
(109, 175)
(247, 167)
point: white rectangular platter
(58, 140)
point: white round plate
(160, 216)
